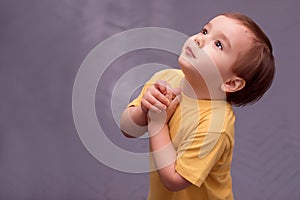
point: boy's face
(223, 40)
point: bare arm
(163, 151)
(157, 106)
(164, 156)
(133, 122)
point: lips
(188, 51)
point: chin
(185, 65)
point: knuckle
(155, 93)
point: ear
(234, 84)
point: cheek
(223, 63)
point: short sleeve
(198, 154)
(137, 101)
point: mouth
(188, 51)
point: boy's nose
(199, 41)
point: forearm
(164, 155)
(133, 122)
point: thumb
(173, 104)
(176, 91)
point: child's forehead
(223, 19)
(226, 23)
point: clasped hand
(159, 102)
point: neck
(200, 91)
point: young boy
(188, 112)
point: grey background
(42, 46)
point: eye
(204, 31)
(219, 45)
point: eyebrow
(222, 35)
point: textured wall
(42, 46)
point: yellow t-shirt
(202, 132)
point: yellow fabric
(202, 133)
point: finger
(172, 107)
(172, 93)
(161, 85)
(165, 89)
(153, 99)
(176, 91)
(176, 100)
(149, 106)
(155, 109)
(159, 96)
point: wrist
(156, 124)
(142, 113)
(138, 116)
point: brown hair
(256, 66)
